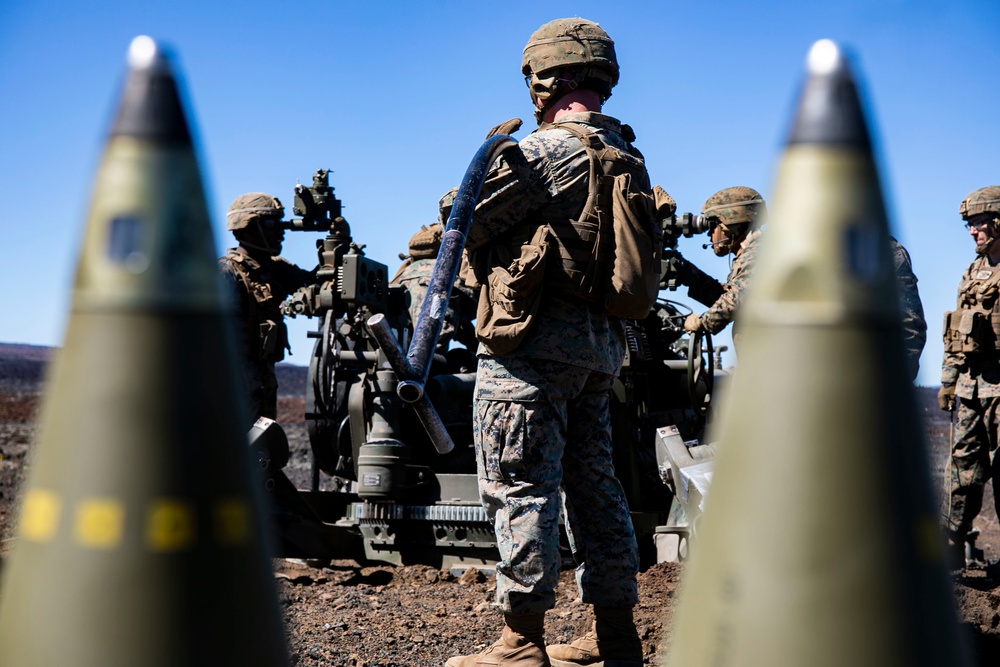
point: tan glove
(507, 127)
(663, 202)
(946, 398)
(692, 323)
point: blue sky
(395, 98)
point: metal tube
(433, 425)
(410, 390)
(380, 329)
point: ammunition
(820, 543)
(141, 536)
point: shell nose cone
(150, 106)
(145, 53)
(825, 58)
(829, 111)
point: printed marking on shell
(40, 516)
(861, 245)
(170, 526)
(99, 523)
(232, 521)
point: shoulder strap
(242, 271)
(592, 144)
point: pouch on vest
(273, 340)
(635, 274)
(509, 302)
(968, 331)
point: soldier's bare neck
(576, 101)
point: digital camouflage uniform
(914, 325)
(976, 379)
(258, 291)
(541, 420)
(723, 311)
(414, 276)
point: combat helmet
(734, 209)
(565, 54)
(251, 207)
(983, 200)
(445, 205)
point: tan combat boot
(613, 641)
(522, 644)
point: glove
(946, 398)
(663, 203)
(692, 323)
(507, 127)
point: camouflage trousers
(972, 462)
(543, 448)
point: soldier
(731, 214)
(260, 281)
(734, 214)
(970, 374)
(914, 324)
(547, 359)
(414, 276)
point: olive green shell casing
(141, 539)
(820, 544)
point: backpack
(610, 256)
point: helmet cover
(251, 207)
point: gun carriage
(389, 406)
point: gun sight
(683, 224)
(318, 206)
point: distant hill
(22, 369)
(291, 379)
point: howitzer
(389, 413)
(676, 271)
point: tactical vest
(610, 255)
(264, 328)
(975, 325)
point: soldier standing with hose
(549, 354)
(970, 374)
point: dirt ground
(338, 613)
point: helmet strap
(994, 233)
(732, 237)
(249, 242)
(551, 89)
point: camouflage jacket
(552, 185)
(723, 311)
(914, 325)
(415, 278)
(974, 375)
(258, 290)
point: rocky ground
(340, 613)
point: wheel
(326, 400)
(700, 371)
